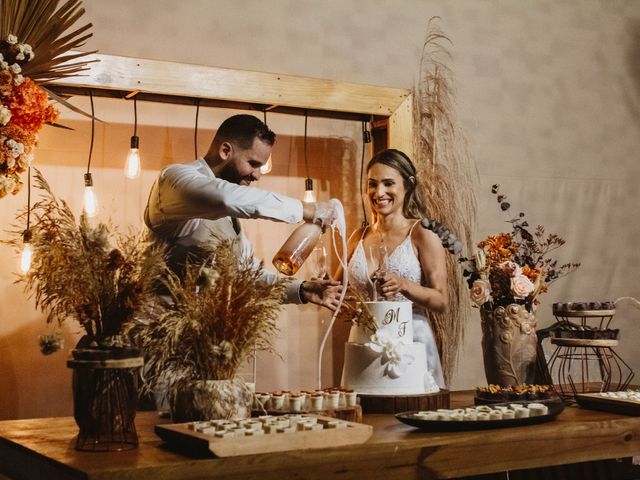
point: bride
(396, 259)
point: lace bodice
(402, 262)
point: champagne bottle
(297, 248)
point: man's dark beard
(230, 174)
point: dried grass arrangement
(216, 315)
(354, 310)
(86, 272)
(450, 177)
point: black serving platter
(409, 418)
(621, 406)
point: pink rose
(480, 292)
(514, 267)
(521, 286)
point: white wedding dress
(404, 263)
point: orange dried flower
(499, 248)
(30, 107)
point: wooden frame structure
(171, 82)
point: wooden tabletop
(44, 448)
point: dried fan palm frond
(217, 314)
(449, 179)
(45, 26)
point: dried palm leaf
(449, 178)
(44, 26)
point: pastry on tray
(584, 308)
(524, 392)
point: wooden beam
(196, 81)
(401, 127)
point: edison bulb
(132, 165)
(308, 191)
(309, 196)
(266, 168)
(25, 258)
(90, 202)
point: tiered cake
(386, 362)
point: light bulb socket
(308, 184)
(135, 141)
(366, 136)
(88, 180)
(27, 235)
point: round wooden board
(404, 403)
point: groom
(191, 204)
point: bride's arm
(432, 257)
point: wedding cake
(387, 361)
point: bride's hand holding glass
(388, 284)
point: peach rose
(480, 292)
(521, 286)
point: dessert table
(44, 448)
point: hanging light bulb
(27, 248)
(27, 252)
(132, 165)
(90, 200)
(309, 196)
(267, 167)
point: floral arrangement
(86, 272)
(215, 316)
(354, 310)
(27, 27)
(24, 109)
(514, 267)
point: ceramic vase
(509, 345)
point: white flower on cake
(397, 361)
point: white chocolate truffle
(495, 415)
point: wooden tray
(594, 401)
(179, 434)
(351, 414)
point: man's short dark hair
(242, 130)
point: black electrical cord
(135, 117)
(93, 131)
(366, 138)
(195, 132)
(306, 162)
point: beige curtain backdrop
(548, 94)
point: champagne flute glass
(380, 260)
(320, 269)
